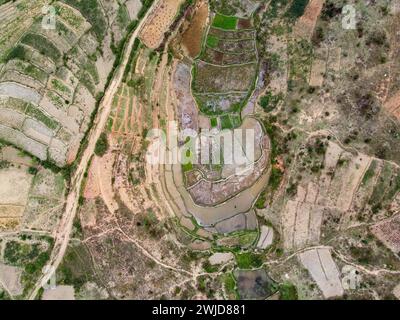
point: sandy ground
(10, 279)
(133, 7)
(92, 188)
(335, 59)
(100, 181)
(59, 293)
(323, 270)
(396, 291)
(220, 258)
(302, 219)
(13, 155)
(266, 237)
(317, 73)
(14, 186)
(104, 169)
(18, 91)
(186, 106)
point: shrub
(275, 178)
(32, 170)
(209, 268)
(18, 52)
(288, 291)
(297, 8)
(269, 101)
(101, 145)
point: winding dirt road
(64, 229)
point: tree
(101, 145)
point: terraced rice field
(226, 70)
(208, 200)
(224, 22)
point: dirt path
(63, 233)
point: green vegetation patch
(18, 52)
(91, 10)
(123, 16)
(225, 22)
(35, 72)
(288, 291)
(230, 285)
(301, 56)
(43, 45)
(39, 115)
(248, 260)
(56, 99)
(101, 145)
(236, 121)
(275, 178)
(76, 268)
(32, 257)
(226, 122)
(216, 79)
(209, 268)
(87, 80)
(218, 104)
(370, 172)
(297, 8)
(380, 190)
(187, 167)
(60, 87)
(212, 41)
(69, 16)
(90, 68)
(261, 200)
(269, 101)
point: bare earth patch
(10, 278)
(59, 293)
(306, 24)
(192, 37)
(323, 270)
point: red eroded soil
(192, 37)
(244, 24)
